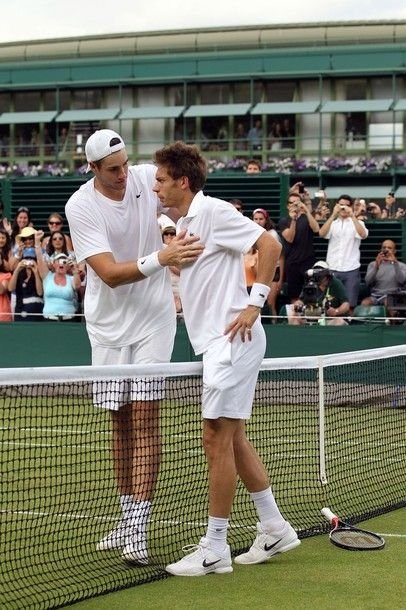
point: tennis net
(330, 429)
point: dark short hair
(236, 202)
(347, 198)
(254, 162)
(182, 159)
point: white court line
(91, 447)
(31, 513)
(53, 430)
(391, 535)
(278, 441)
(193, 451)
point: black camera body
(311, 292)
(313, 298)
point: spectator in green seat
(384, 275)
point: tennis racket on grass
(352, 538)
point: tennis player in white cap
(130, 316)
(223, 323)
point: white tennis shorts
(230, 372)
(116, 393)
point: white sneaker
(267, 545)
(135, 549)
(115, 539)
(202, 560)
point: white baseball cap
(321, 265)
(102, 143)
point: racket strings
(356, 539)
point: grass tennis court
(58, 494)
(315, 576)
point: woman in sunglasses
(61, 285)
(57, 244)
(55, 223)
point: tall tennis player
(223, 323)
(130, 317)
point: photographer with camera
(26, 282)
(344, 233)
(385, 275)
(61, 283)
(322, 300)
(298, 230)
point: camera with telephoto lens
(314, 303)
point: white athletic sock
(137, 513)
(126, 502)
(268, 511)
(217, 533)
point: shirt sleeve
(232, 230)
(87, 230)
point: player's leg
(218, 437)
(122, 450)
(144, 460)
(146, 453)
(117, 396)
(274, 534)
(223, 407)
(212, 553)
(146, 394)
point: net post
(322, 454)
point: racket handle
(328, 514)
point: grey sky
(44, 19)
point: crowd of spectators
(339, 288)
(40, 278)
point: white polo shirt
(213, 290)
(128, 229)
(343, 252)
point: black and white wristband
(258, 294)
(148, 265)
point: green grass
(317, 575)
(58, 494)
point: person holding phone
(344, 232)
(384, 275)
(61, 283)
(27, 285)
(297, 230)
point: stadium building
(321, 97)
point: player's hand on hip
(183, 250)
(243, 324)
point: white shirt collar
(195, 205)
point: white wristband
(258, 294)
(148, 265)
